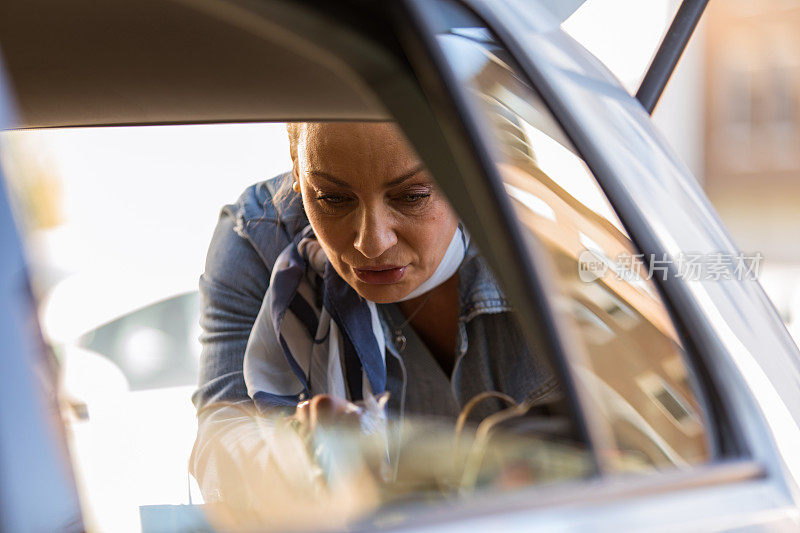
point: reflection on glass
(633, 368)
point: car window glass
(632, 365)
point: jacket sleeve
(231, 290)
(246, 242)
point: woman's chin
(381, 294)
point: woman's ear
(295, 166)
(295, 170)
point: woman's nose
(375, 233)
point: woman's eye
(332, 199)
(413, 198)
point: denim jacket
(491, 351)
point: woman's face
(375, 210)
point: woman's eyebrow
(328, 177)
(396, 181)
(408, 175)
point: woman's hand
(327, 411)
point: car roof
(83, 63)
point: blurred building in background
(752, 134)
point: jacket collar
(478, 291)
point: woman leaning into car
(328, 287)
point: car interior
(92, 65)
(196, 62)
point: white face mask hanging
(448, 266)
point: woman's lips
(380, 275)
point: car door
(722, 465)
(549, 96)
